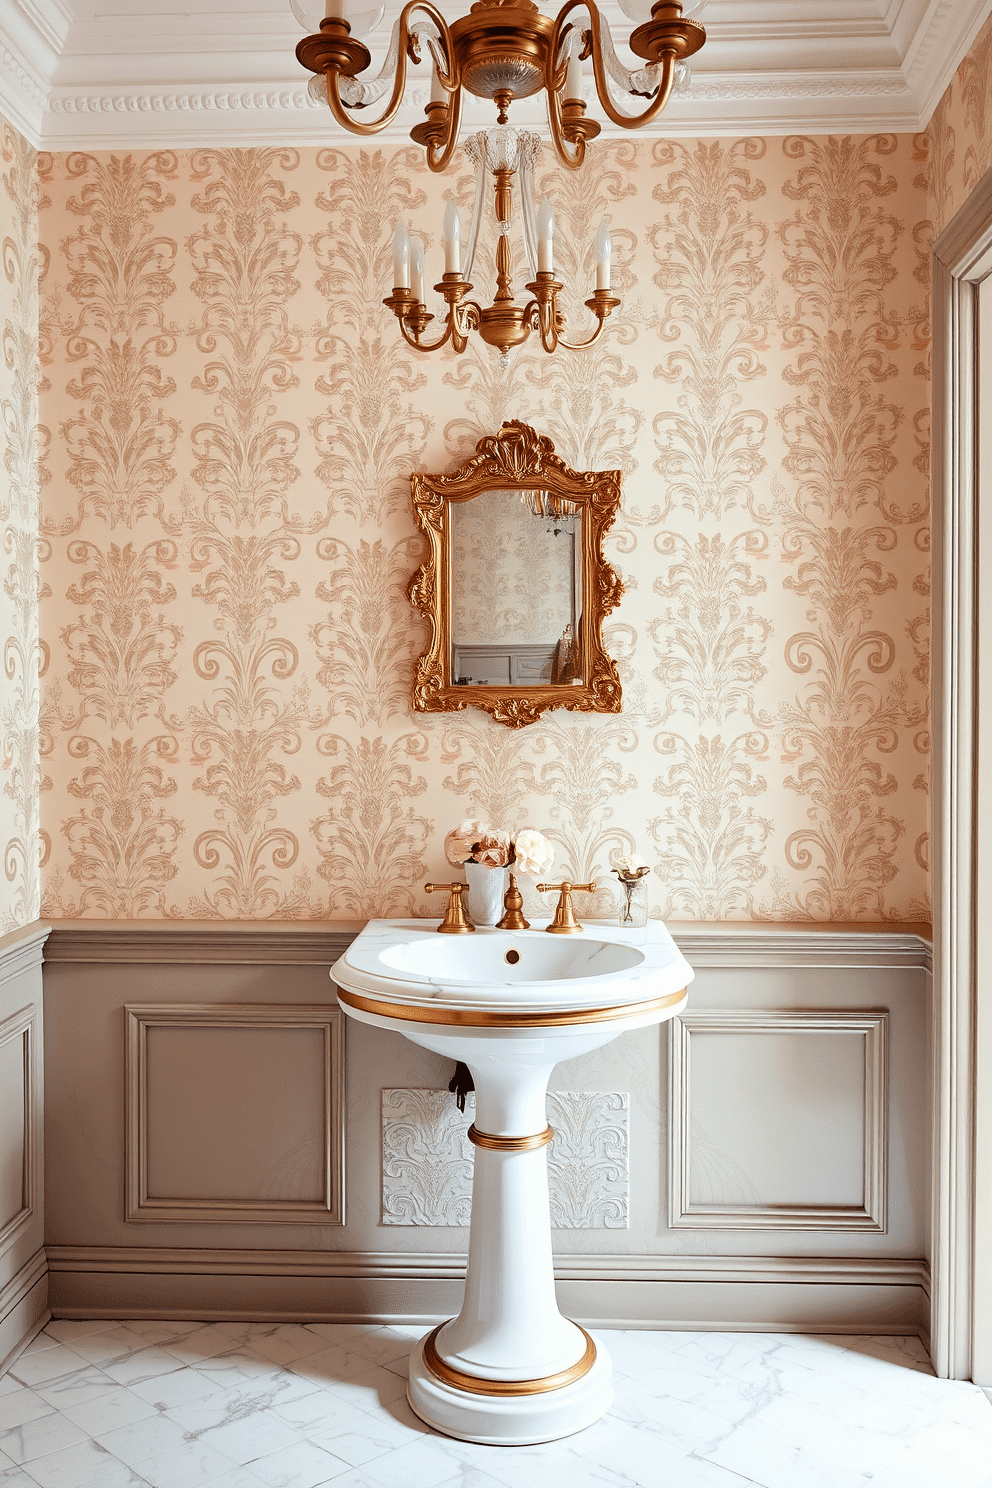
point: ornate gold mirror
(515, 585)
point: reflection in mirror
(516, 589)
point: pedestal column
(509, 1368)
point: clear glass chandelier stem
(475, 149)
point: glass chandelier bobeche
(500, 50)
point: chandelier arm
(570, 156)
(451, 82)
(581, 345)
(666, 82)
(455, 333)
(437, 158)
(542, 316)
(419, 345)
(666, 63)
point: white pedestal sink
(509, 1369)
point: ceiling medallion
(500, 50)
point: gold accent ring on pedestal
(475, 1385)
(509, 1144)
(465, 1017)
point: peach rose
(458, 844)
(493, 849)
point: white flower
(533, 852)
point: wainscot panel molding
(23, 1269)
(235, 1112)
(791, 1294)
(225, 1256)
(23, 1307)
(870, 1162)
(22, 1118)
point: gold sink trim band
(474, 1385)
(481, 1018)
(509, 1144)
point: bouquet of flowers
(525, 851)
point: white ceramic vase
(486, 889)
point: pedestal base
(510, 1420)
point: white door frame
(961, 1134)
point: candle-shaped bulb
(401, 257)
(417, 269)
(573, 77)
(335, 10)
(604, 252)
(545, 237)
(452, 236)
(438, 94)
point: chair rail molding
(962, 258)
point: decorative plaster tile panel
(588, 1159)
(427, 1159)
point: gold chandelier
(501, 50)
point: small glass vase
(633, 902)
(486, 887)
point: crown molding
(938, 48)
(772, 104)
(72, 81)
(23, 90)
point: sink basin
(510, 957)
(509, 1369)
(406, 962)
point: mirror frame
(519, 459)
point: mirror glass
(516, 589)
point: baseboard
(732, 1293)
(23, 1307)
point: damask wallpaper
(19, 531)
(227, 533)
(959, 136)
(228, 424)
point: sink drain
(513, 957)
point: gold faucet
(564, 922)
(455, 921)
(513, 904)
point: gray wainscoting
(23, 1268)
(215, 1136)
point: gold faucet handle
(456, 921)
(564, 922)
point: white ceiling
(114, 73)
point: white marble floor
(234, 1405)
